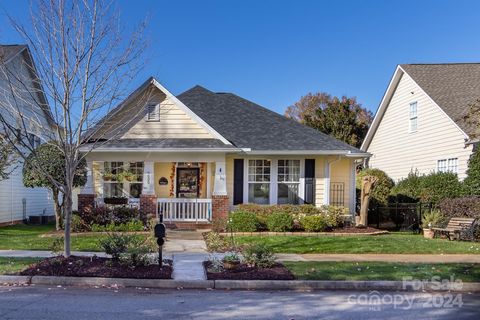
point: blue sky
(273, 52)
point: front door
(187, 182)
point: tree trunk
(68, 218)
(368, 183)
(58, 209)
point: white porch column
(148, 178)
(101, 168)
(220, 183)
(326, 181)
(88, 188)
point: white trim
(274, 181)
(101, 149)
(209, 179)
(188, 111)
(399, 71)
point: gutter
(162, 150)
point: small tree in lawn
(85, 62)
(472, 181)
(51, 159)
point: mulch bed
(76, 266)
(356, 230)
(244, 272)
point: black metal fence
(398, 216)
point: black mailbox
(160, 230)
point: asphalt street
(41, 302)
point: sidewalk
(411, 258)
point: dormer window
(153, 112)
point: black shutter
(309, 181)
(237, 181)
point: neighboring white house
(420, 123)
(16, 201)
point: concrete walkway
(412, 258)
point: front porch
(178, 191)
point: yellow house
(194, 156)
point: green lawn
(27, 237)
(14, 265)
(466, 272)
(389, 243)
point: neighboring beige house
(194, 156)
(420, 122)
(16, 201)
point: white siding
(174, 123)
(397, 151)
(12, 191)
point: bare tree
(86, 62)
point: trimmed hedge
(243, 221)
(280, 222)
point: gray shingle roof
(454, 87)
(8, 51)
(164, 144)
(249, 125)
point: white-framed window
(129, 188)
(153, 112)
(288, 178)
(259, 181)
(447, 165)
(413, 116)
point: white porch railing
(184, 209)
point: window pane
(453, 165)
(413, 124)
(113, 190)
(135, 190)
(442, 165)
(287, 193)
(259, 193)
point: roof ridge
(438, 63)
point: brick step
(188, 225)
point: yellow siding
(397, 151)
(174, 123)
(319, 181)
(340, 172)
(162, 169)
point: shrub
(137, 253)
(77, 224)
(314, 223)
(231, 257)
(433, 219)
(242, 221)
(382, 188)
(408, 189)
(125, 214)
(280, 222)
(219, 224)
(115, 244)
(56, 247)
(437, 186)
(215, 242)
(259, 255)
(472, 181)
(131, 226)
(335, 215)
(468, 207)
(99, 215)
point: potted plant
(432, 219)
(108, 176)
(231, 261)
(126, 175)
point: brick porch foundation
(86, 202)
(220, 207)
(148, 205)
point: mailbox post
(160, 233)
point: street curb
(15, 279)
(123, 282)
(345, 285)
(243, 284)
